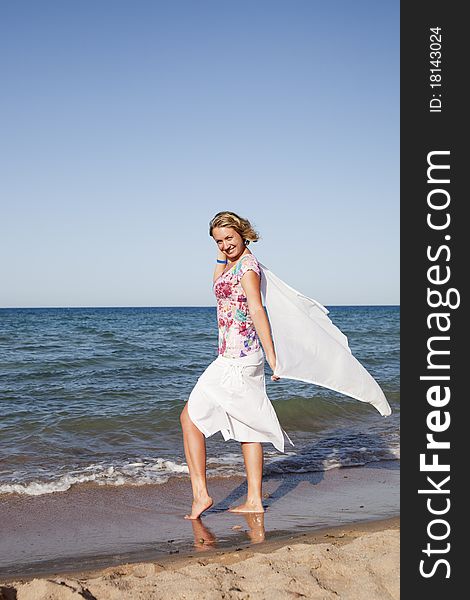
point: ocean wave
(85, 391)
(341, 448)
(134, 473)
(322, 457)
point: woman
(230, 396)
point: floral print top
(237, 334)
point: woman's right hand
(219, 267)
(221, 255)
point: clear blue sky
(125, 126)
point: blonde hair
(241, 225)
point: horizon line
(160, 306)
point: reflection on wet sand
(204, 539)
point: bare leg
(253, 457)
(195, 451)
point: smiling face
(229, 241)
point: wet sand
(353, 562)
(91, 526)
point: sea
(94, 396)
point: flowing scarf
(310, 348)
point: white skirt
(230, 396)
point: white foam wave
(155, 471)
(150, 470)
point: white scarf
(310, 348)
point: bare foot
(248, 507)
(199, 506)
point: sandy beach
(91, 526)
(356, 562)
(322, 535)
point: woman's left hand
(272, 363)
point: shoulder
(248, 262)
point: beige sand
(352, 562)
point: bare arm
(219, 267)
(251, 286)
